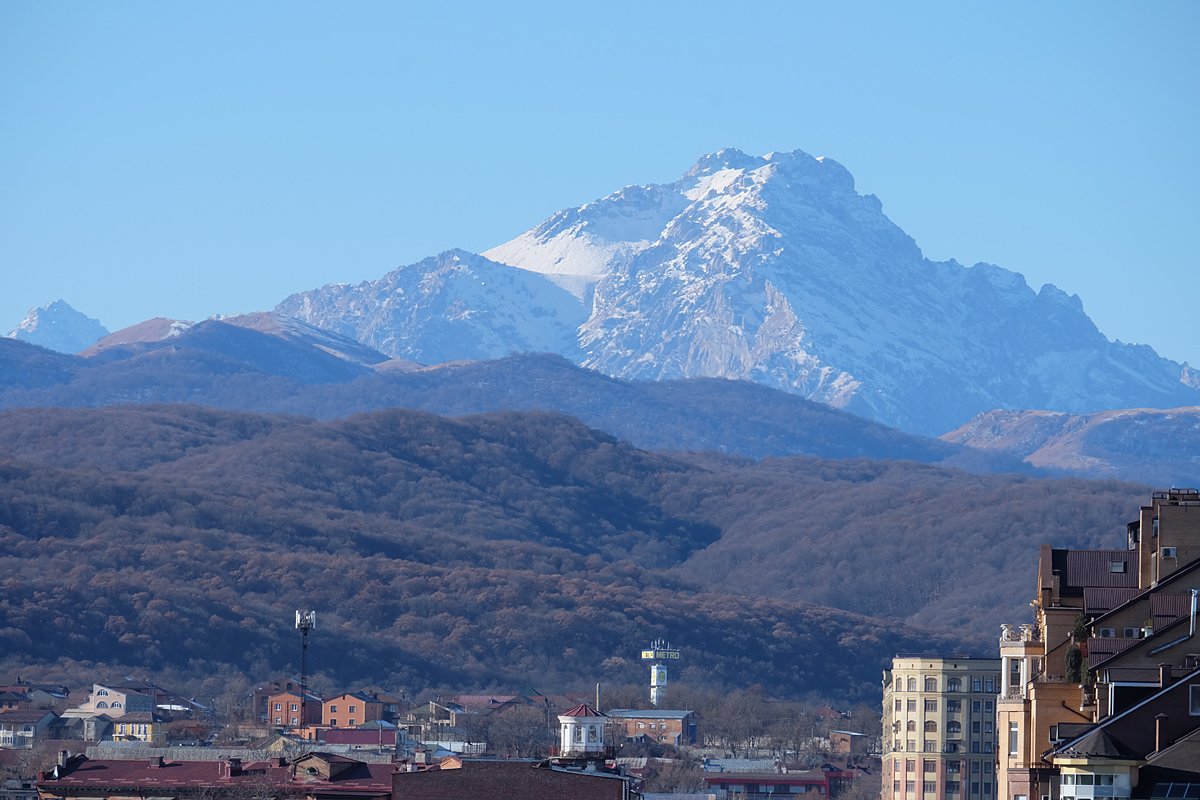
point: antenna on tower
(658, 652)
(306, 621)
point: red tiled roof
(363, 779)
(582, 710)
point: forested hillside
(498, 549)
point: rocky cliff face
(772, 269)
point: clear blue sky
(188, 159)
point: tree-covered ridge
(485, 550)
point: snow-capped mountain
(772, 269)
(57, 326)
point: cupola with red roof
(581, 731)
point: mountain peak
(58, 326)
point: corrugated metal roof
(1167, 608)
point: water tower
(658, 652)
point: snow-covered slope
(453, 306)
(772, 269)
(57, 326)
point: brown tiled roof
(487, 780)
(25, 716)
(581, 710)
(1165, 608)
(1097, 599)
(1091, 568)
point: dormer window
(102, 692)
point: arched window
(931, 727)
(899, 684)
(931, 684)
(116, 704)
(912, 684)
(102, 704)
(953, 726)
(953, 685)
(102, 693)
(912, 726)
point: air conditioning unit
(1107, 633)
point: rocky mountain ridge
(772, 269)
(59, 327)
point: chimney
(233, 767)
(156, 762)
(1159, 721)
(63, 755)
(1164, 675)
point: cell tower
(306, 621)
(658, 652)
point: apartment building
(939, 728)
(1097, 693)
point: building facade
(939, 728)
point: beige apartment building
(939, 728)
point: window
(352, 720)
(987, 768)
(1014, 672)
(896, 765)
(279, 720)
(102, 692)
(352, 709)
(976, 684)
(953, 685)
(975, 705)
(953, 767)
(899, 685)
(116, 704)
(975, 767)
(102, 704)
(953, 726)
(987, 788)
(930, 786)
(333, 709)
(912, 706)
(912, 745)
(896, 786)
(987, 706)
(279, 706)
(953, 706)
(910, 786)
(295, 707)
(910, 765)
(950, 747)
(1116, 566)
(974, 787)
(989, 684)
(929, 765)
(952, 787)
(987, 726)
(987, 747)
(930, 746)
(931, 684)
(912, 684)
(975, 726)
(899, 704)
(1168, 552)
(931, 705)
(974, 747)
(912, 725)
(333, 722)
(931, 727)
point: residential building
(22, 728)
(1098, 688)
(658, 725)
(939, 728)
(350, 710)
(822, 782)
(141, 726)
(289, 710)
(113, 700)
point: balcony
(1019, 633)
